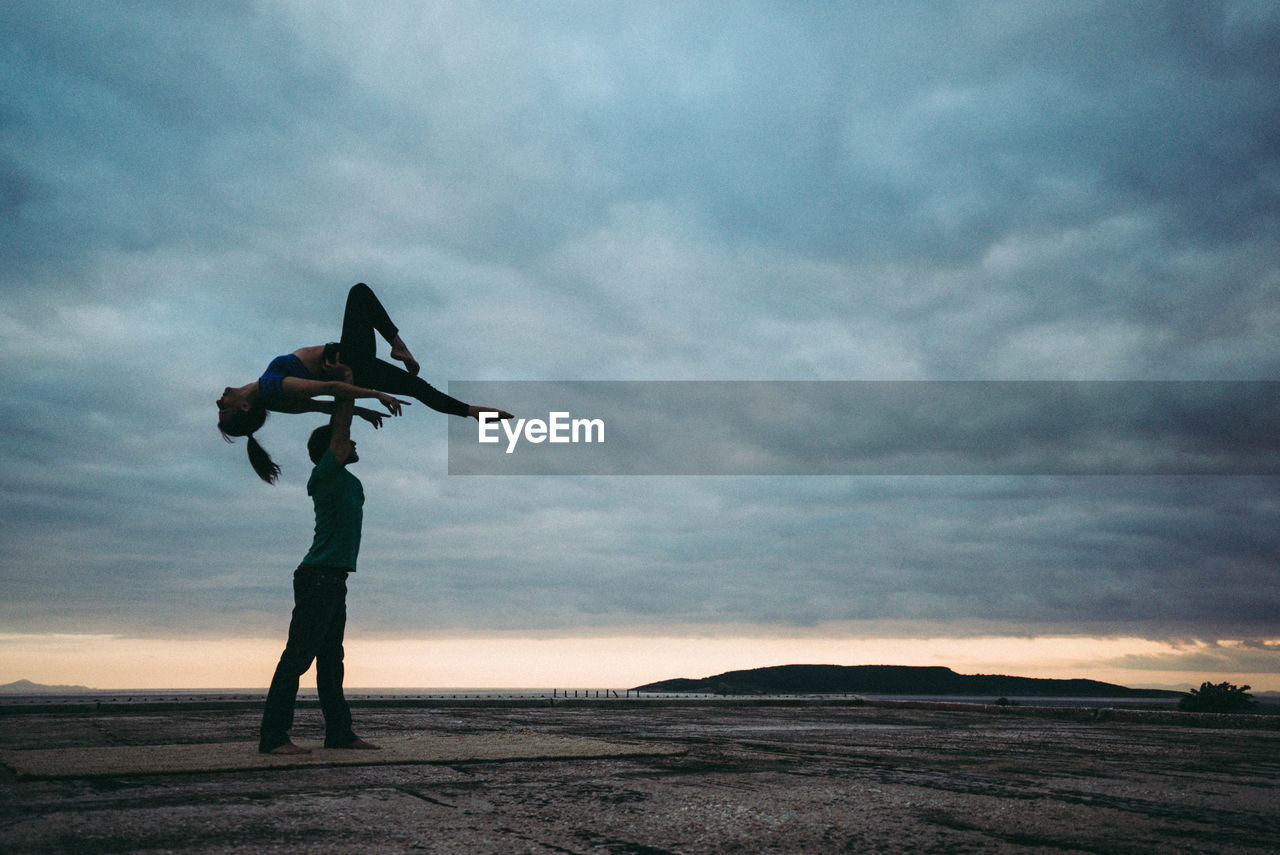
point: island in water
(26, 687)
(893, 680)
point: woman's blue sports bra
(270, 389)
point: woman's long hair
(246, 423)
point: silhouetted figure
(320, 594)
(345, 370)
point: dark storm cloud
(915, 129)
(135, 126)
(610, 191)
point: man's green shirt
(339, 501)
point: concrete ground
(787, 778)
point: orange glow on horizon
(111, 662)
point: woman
(348, 369)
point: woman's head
(245, 422)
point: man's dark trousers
(315, 634)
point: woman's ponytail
(245, 423)
(262, 463)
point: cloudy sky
(613, 191)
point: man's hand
(336, 371)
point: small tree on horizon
(1218, 698)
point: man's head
(321, 438)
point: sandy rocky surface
(752, 778)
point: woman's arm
(296, 387)
(303, 405)
(311, 405)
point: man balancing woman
(320, 594)
(320, 581)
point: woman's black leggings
(364, 316)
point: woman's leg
(394, 380)
(363, 316)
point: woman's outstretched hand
(392, 403)
(373, 417)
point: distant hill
(26, 687)
(893, 680)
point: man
(320, 594)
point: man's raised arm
(340, 443)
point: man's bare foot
(361, 745)
(289, 748)
(401, 352)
